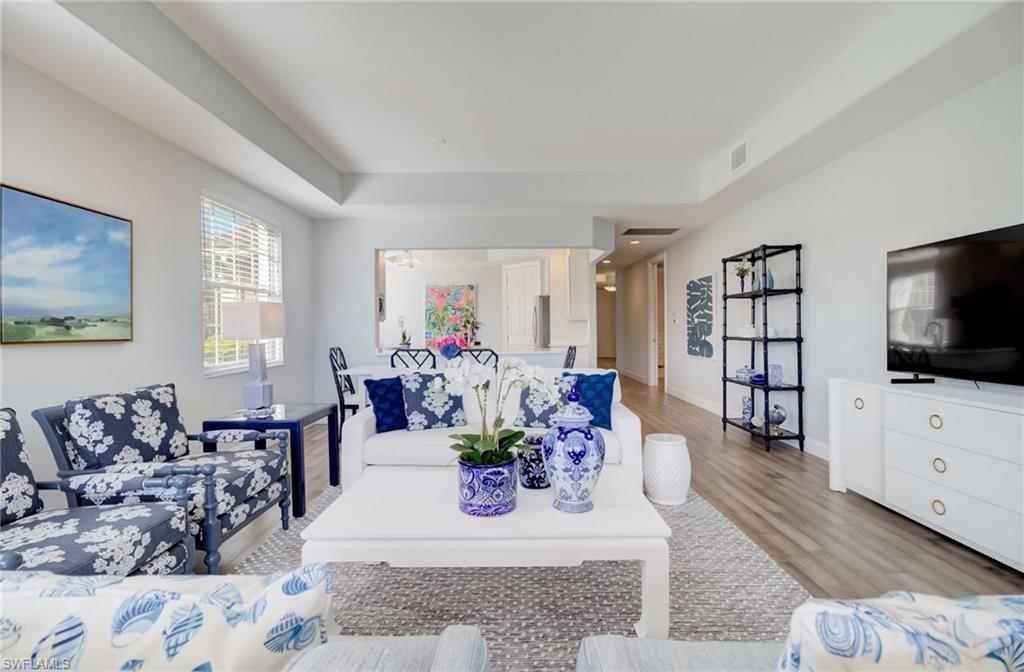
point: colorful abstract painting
(700, 317)
(65, 272)
(447, 307)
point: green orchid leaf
(506, 441)
(484, 445)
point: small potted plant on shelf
(487, 461)
(470, 328)
(743, 269)
(404, 341)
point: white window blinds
(241, 262)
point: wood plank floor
(836, 545)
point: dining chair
(570, 357)
(413, 358)
(344, 385)
(485, 356)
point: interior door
(522, 286)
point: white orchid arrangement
(494, 444)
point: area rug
(723, 588)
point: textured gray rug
(723, 588)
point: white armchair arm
(354, 434)
(626, 425)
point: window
(241, 262)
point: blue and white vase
(532, 473)
(748, 410)
(487, 489)
(573, 456)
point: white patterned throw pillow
(907, 631)
(188, 622)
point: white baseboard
(814, 447)
(631, 375)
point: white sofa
(362, 446)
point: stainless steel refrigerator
(542, 321)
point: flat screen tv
(956, 307)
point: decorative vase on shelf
(775, 375)
(755, 284)
(573, 456)
(748, 410)
(532, 473)
(487, 489)
(770, 282)
(776, 416)
(743, 284)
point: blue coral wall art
(700, 317)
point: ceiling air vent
(649, 232)
(739, 156)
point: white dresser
(949, 457)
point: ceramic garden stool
(666, 468)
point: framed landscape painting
(447, 307)
(65, 272)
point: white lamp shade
(252, 321)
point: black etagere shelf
(759, 256)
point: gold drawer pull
(858, 403)
(939, 465)
(939, 507)
(935, 421)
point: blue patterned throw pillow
(385, 396)
(142, 425)
(537, 410)
(596, 395)
(427, 405)
(20, 497)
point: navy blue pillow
(388, 404)
(596, 395)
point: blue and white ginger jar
(573, 456)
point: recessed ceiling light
(607, 261)
(634, 242)
(439, 141)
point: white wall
(606, 324)
(59, 143)
(343, 268)
(405, 296)
(954, 170)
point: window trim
(221, 370)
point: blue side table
(294, 418)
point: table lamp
(255, 322)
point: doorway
(658, 347)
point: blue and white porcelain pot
(573, 456)
(487, 489)
(532, 473)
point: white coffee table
(409, 517)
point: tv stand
(948, 457)
(916, 380)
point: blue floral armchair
(140, 433)
(119, 539)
